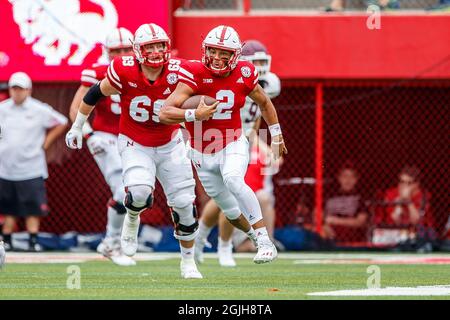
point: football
(192, 102)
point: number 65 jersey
(225, 126)
(141, 100)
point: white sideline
(298, 258)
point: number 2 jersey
(141, 100)
(107, 110)
(224, 127)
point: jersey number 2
(224, 111)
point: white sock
(186, 253)
(114, 223)
(203, 231)
(251, 233)
(132, 215)
(224, 244)
(261, 232)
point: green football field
(292, 276)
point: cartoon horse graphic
(54, 26)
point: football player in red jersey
(148, 148)
(219, 149)
(259, 173)
(101, 140)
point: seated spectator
(408, 203)
(339, 5)
(407, 206)
(345, 213)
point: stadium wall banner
(334, 46)
(53, 40)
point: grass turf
(282, 279)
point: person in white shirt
(28, 128)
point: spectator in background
(339, 5)
(406, 211)
(408, 203)
(345, 213)
(24, 122)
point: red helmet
(253, 50)
(146, 34)
(226, 38)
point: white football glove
(96, 144)
(74, 138)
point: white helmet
(254, 50)
(119, 38)
(151, 33)
(226, 38)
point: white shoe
(129, 237)
(189, 269)
(226, 256)
(199, 246)
(267, 251)
(110, 248)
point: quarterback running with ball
(219, 148)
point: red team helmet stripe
(152, 30)
(120, 36)
(222, 35)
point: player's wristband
(189, 115)
(275, 130)
(87, 129)
(88, 135)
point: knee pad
(185, 232)
(119, 207)
(234, 184)
(138, 201)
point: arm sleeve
(113, 74)
(187, 76)
(250, 78)
(89, 77)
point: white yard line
(443, 290)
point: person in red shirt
(101, 140)
(408, 203)
(219, 148)
(148, 148)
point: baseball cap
(20, 79)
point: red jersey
(141, 100)
(107, 110)
(256, 170)
(421, 201)
(225, 126)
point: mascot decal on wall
(52, 27)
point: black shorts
(23, 198)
